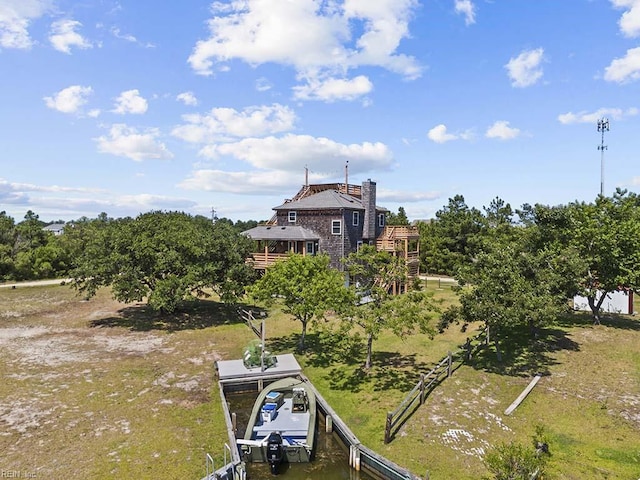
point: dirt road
(35, 283)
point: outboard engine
(275, 451)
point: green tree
(498, 213)
(453, 238)
(29, 232)
(165, 257)
(306, 286)
(512, 285)
(606, 236)
(374, 274)
(399, 218)
(7, 242)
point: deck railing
(263, 260)
(400, 232)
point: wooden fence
(428, 382)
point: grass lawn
(99, 389)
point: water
(331, 460)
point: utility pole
(603, 126)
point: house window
(356, 219)
(292, 217)
(310, 248)
(336, 227)
(381, 219)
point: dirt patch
(83, 402)
(54, 346)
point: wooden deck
(263, 260)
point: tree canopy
(399, 218)
(27, 252)
(606, 235)
(306, 286)
(165, 257)
(452, 239)
(373, 274)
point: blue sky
(135, 105)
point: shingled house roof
(327, 199)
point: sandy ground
(81, 400)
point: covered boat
(282, 425)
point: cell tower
(603, 126)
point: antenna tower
(603, 126)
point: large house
(332, 218)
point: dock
(234, 377)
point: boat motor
(275, 451)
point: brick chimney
(369, 203)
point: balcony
(261, 261)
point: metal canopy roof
(275, 232)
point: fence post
(422, 382)
(387, 429)
(450, 355)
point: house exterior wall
(320, 222)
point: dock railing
(428, 382)
(360, 457)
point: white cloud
(289, 152)
(468, 9)
(332, 89)
(115, 31)
(402, 196)
(592, 117)
(125, 141)
(21, 193)
(624, 69)
(262, 84)
(63, 36)
(12, 194)
(130, 101)
(145, 202)
(525, 70)
(320, 40)
(385, 24)
(630, 20)
(258, 182)
(30, 187)
(188, 98)
(222, 123)
(70, 99)
(502, 131)
(15, 17)
(73, 202)
(440, 134)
